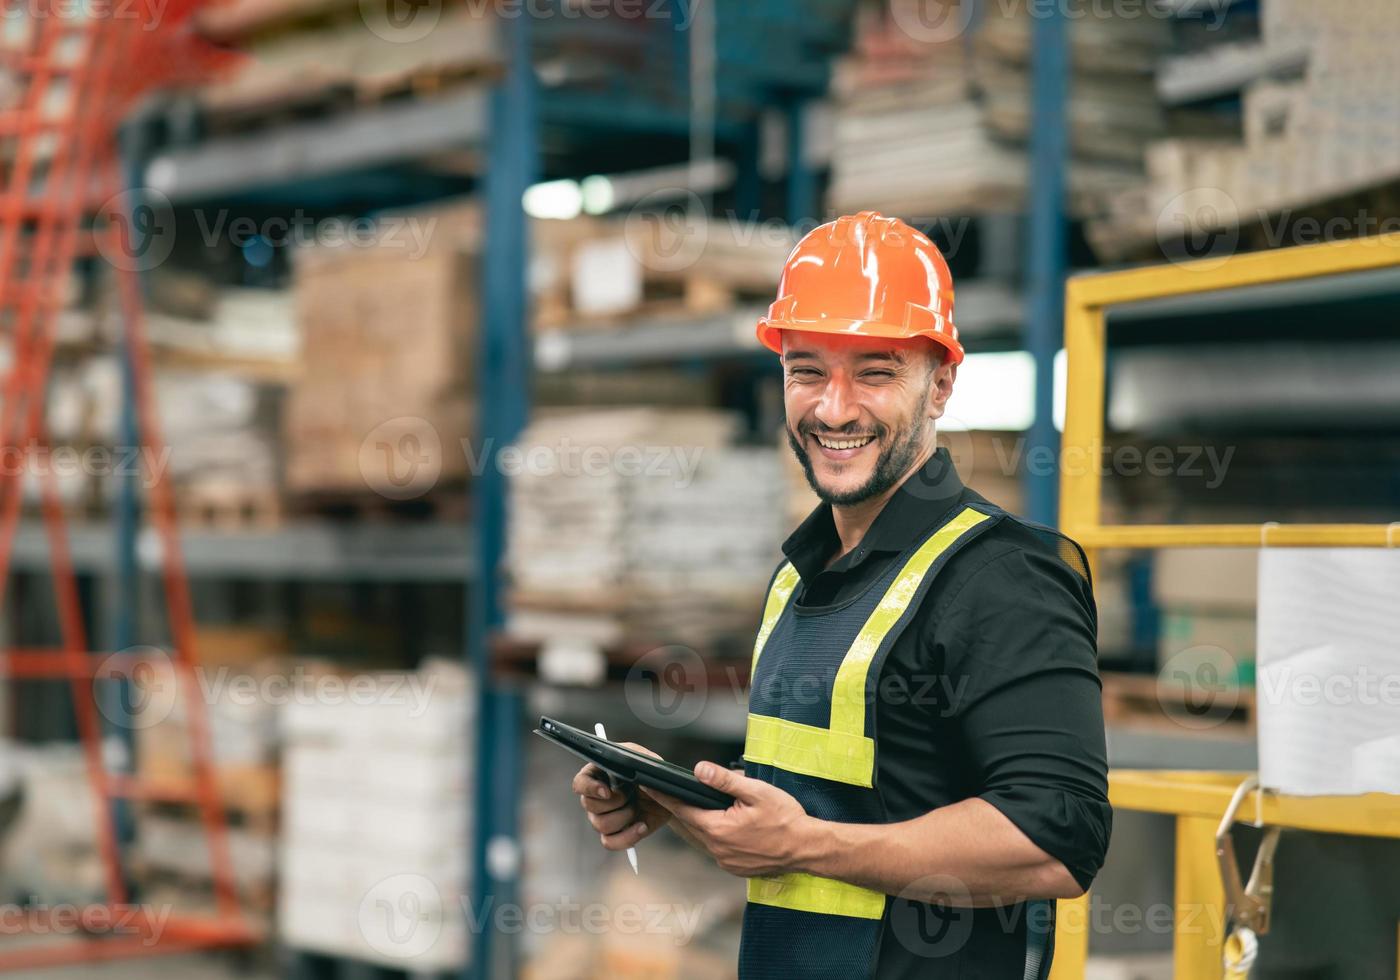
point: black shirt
(992, 691)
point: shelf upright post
(1046, 240)
(802, 198)
(502, 384)
(134, 145)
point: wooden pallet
(229, 507)
(250, 794)
(1144, 701)
(444, 503)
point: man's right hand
(620, 822)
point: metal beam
(364, 138)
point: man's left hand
(763, 833)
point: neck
(853, 520)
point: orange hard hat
(866, 275)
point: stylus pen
(631, 851)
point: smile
(828, 443)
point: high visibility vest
(811, 733)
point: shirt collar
(911, 512)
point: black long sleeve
(1018, 644)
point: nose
(837, 407)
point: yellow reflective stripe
(783, 584)
(808, 893)
(848, 692)
(809, 750)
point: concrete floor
(184, 967)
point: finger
(693, 815)
(612, 823)
(618, 802)
(730, 781)
(626, 837)
(589, 781)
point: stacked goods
(933, 108)
(222, 432)
(388, 338)
(48, 848)
(1318, 124)
(239, 667)
(376, 820)
(641, 525)
(654, 263)
(1208, 601)
(311, 51)
(239, 324)
(239, 680)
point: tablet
(626, 766)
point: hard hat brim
(769, 333)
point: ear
(940, 388)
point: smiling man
(924, 762)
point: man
(924, 763)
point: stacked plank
(638, 525)
(1318, 123)
(933, 112)
(606, 273)
(240, 672)
(307, 51)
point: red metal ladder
(79, 71)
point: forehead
(801, 344)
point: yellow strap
(809, 750)
(848, 693)
(783, 585)
(808, 893)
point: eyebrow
(897, 357)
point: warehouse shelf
(983, 308)
(311, 551)
(1371, 300)
(1223, 72)
(368, 137)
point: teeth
(844, 443)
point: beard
(891, 465)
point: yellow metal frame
(1087, 299)
(1197, 799)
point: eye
(803, 372)
(879, 374)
